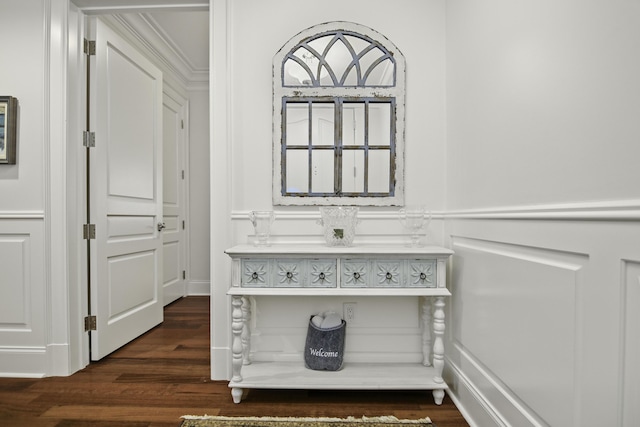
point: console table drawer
(385, 273)
(288, 273)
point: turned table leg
(237, 326)
(438, 347)
(246, 331)
(426, 330)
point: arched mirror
(338, 118)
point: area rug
(218, 421)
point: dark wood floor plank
(165, 374)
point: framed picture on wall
(8, 129)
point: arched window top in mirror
(338, 118)
(339, 58)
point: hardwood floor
(165, 373)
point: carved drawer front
(385, 273)
(288, 273)
(355, 273)
(421, 274)
(323, 273)
(255, 273)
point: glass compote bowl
(262, 221)
(339, 224)
(415, 219)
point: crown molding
(101, 7)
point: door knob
(161, 226)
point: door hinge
(88, 231)
(90, 323)
(181, 124)
(88, 139)
(183, 224)
(183, 174)
(184, 274)
(89, 47)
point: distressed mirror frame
(337, 94)
(8, 129)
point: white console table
(318, 270)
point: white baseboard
(23, 362)
(198, 288)
(58, 356)
(221, 370)
(473, 407)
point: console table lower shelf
(352, 376)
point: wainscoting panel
(537, 286)
(22, 297)
(542, 325)
(15, 295)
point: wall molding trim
(619, 210)
(22, 215)
(315, 214)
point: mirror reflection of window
(338, 118)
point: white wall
(198, 259)
(415, 27)
(22, 184)
(542, 188)
(243, 45)
(27, 325)
(545, 90)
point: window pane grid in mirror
(297, 172)
(353, 138)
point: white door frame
(68, 343)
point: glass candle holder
(415, 219)
(262, 221)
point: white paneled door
(173, 198)
(125, 201)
